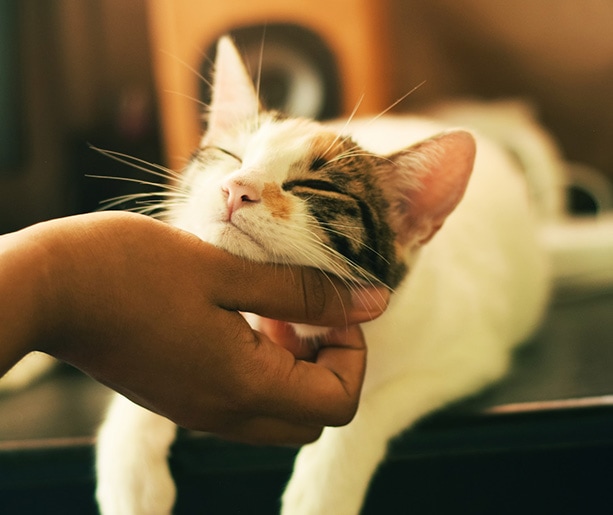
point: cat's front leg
(332, 474)
(133, 476)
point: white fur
(477, 289)
(132, 461)
(474, 292)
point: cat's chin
(300, 339)
(232, 239)
(310, 331)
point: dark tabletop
(558, 398)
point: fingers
(323, 393)
(343, 354)
(296, 402)
(295, 294)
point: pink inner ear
(233, 96)
(431, 178)
(450, 158)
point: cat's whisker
(378, 158)
(401, 99)
(350, 283)
(353, 112)
(162, 192)
(347, 122)
(189, 67)
(358, 241)
(140, 164)
(338, 294)
(335, 257)
(354, 150)
(147, 210)
(309, 222)
(154, 206)
(319, 259)
(163, 187)
(347, 155)
(137, 197)
(196, 100)
(195, 72)
(337, 143)
(357, 152)
(142, 206)
(258, 81)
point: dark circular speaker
(296, 71)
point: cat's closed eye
(223, 151)
(313, 184)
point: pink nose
(239, 194)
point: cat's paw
(297, 500)
(301, 498)
(330, 475)
(311, 490)
(149, 491)
(132, 461)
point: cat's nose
(240, 193)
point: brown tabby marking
(328, 146)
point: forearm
(22, 296)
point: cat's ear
(426, 182)
(233, 97)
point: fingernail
(371, 301)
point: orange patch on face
(275, 201)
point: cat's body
(474, 289)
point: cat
(440, 216)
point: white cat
(404, 202)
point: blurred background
(125, 76)
(72, 73)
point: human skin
(154, 313)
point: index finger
(294, 294)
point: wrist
(24, 294)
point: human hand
(153, 312)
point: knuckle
(314, 294)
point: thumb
(297, 294)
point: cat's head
(287, 190)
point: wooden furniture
(181, 31)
